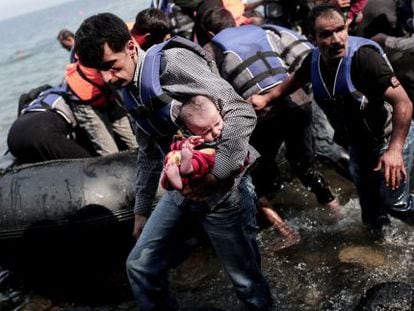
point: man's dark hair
(215, 20)
(64, 34)
(94, 32)
(153, 21)
(324, 9)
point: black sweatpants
(42, 136)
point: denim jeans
(376, 199)
(231, 228)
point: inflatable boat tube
(55, 193)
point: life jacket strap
(258, 56)
(290, 47)
(159, 101)
(297, 60)
(260, 77)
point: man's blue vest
(344, 105)
(54, 99)
(250, 60)
(154, 111)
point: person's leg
(97, 128)
(265, 174)
(232, 230)
(266, 139)
(148, 262)
(186, 166)
(301, 156)
(361, 170)
(288, 235)
(121, 127)
(322, 136)
(172, 174)
(399, 202)
(42, 136)
(60, 145)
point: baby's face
(208, 126)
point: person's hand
(139, 223)
(259, 102)
(198, 190)
(341, 3)
(193, 141)
(391, 162)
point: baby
(192, 154)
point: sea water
(30, 54)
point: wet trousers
(376, 199)
(231, 228)
(288, 123)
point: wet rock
(362, 255)
(38, 303)
(201, 264)
(391, 296)
(313, 297)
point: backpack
(26, 98)
(56, 99)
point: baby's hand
(194, 141)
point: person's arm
(186, 74)
(291, 84)
(341, 3)
(395, 44)
(149, 163)
(355, 9)
(295, 81)
(375, 78)
(403, 44)
(392, 161)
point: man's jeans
(376, 199)
(231, 228)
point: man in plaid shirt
(222, 203)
